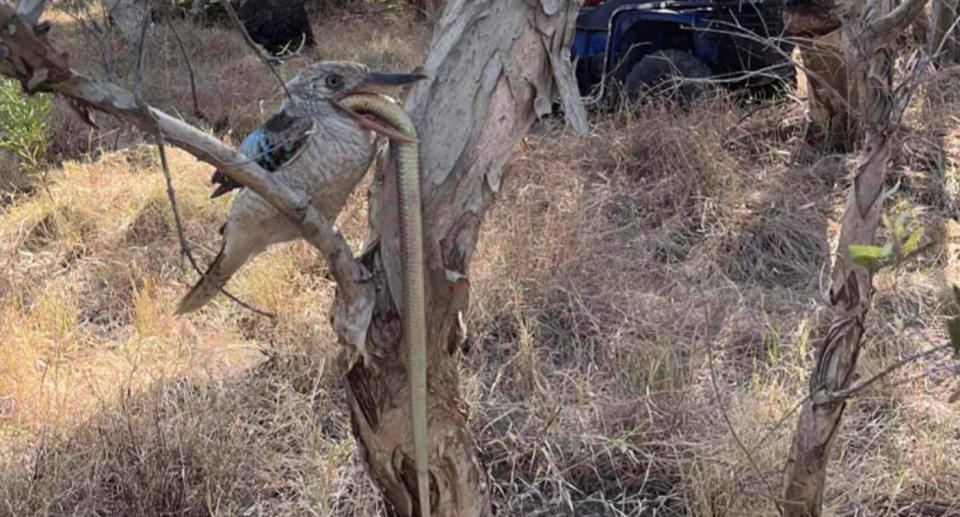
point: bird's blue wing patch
(258, 146)
(277, 141)
(270, 146)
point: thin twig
(285, 52)
(164, 165)
(849, 392)
(141, 50)
(93, 29)
(950, 366)
(253, 45)
(771, 43)
(828, 396)
(779, 423)
(193, 84)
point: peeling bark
(832, 99)
(869, 43)
(493, 67)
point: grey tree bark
(493, 67)
(869, 34)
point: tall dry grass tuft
(614, 262)
(110, 406)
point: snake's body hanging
(411, 260)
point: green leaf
(866, 251)
(954, 327)
(870, 257)
(913, 242)
(868, 262)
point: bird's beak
(377, 83)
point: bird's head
(333, 81)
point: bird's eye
(334, 81)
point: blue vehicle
(629, 46)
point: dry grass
(610, 266)
(607, 269)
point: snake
(407, 155)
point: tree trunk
(869, 45)
(493, 66)
(810, 18)
(830, 98)
(815, 24)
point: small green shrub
(24, 125)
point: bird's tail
(207, 287)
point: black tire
(663, 73)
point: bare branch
(246, 36)
(193, 83)
(823, 396)
(893, 22)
